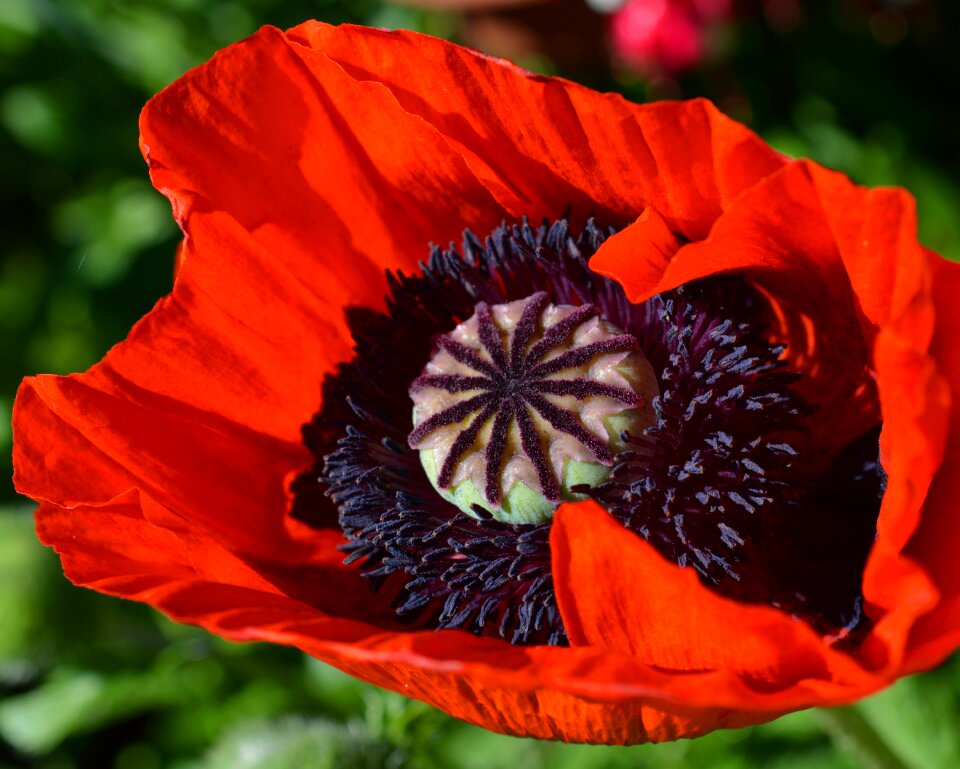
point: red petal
(876, 235)
(617, 593)
(202, 405)
(327, 173)
(937, 540)
(852, 287)
(640, 254)
(543, 146)
(134, 548)
(776, 234)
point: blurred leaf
(38, 721)
(110, 225)
(139, 755)
(230, 21)
(23, 571)
(856, 736)
(821, 758)
(919, 718)
(61, 351)
(17, 15)
(22, 277)
(38, 617)
(430, 22)
(33, 114)
(338, 692)
(203, 721)
(6, 433)
(73, 702)
(295, 743)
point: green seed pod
(526, 401)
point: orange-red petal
(543, 146)
(616, 592)
(325, 171)
(937, 539)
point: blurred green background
(871, 88)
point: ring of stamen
(726, 422)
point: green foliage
(297, 743)
(920, 718)
(71, 702)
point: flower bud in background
(665, 35)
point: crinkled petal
(937, 539)
(134, 548)
(324, 170)
(776, 235)
(851, 287)
(640, 254)
(616, 592)
(544, 146)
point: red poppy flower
(788, 313)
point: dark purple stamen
(719, 483)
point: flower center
(710, 468)
(522, 405)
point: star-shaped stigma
(538, 372)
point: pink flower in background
(665, 35)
